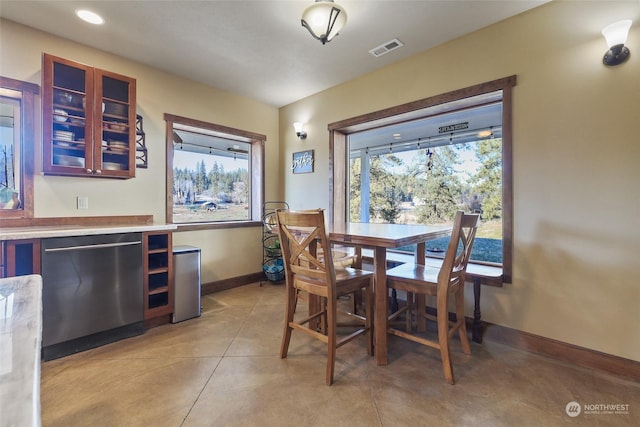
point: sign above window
(454, 127)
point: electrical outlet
(83, 202)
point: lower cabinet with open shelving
(158, 274)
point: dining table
(380, 238)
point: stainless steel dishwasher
(92, 291)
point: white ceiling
(259, 48)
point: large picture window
(423, 171)
(420, 162)
(214, 173)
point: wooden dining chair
(440, 282)
(301, 233)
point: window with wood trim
(215, 174)
(433, 142)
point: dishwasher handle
(97, 246)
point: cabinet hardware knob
(98, 171)
(89, 171)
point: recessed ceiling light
(90, 17)
(396, 136)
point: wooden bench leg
(476, 332)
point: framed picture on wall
(302, 162)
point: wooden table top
(387, 235)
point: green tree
(200, 178)
(384, 202)
(437, 189)
(488, 180)
(354, 190)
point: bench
(481, 274)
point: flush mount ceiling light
(616, 36)
(324, 19)
(90, 17)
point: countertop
(20, 342)
(42, 232)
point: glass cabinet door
(116, 129)
(67, 118)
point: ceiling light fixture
(300, 133)
(90, 17)
(616, 36)
(324, 19)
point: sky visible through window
(186, 159)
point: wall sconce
(616, 36)
(299, 131)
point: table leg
(476, 332)
(380, 310)
(421, 322)
(394, 301)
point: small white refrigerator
(186, 268)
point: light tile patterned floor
(223, 369)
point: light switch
(83, 202)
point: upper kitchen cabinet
(89, 120)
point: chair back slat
(300, 233)
(454, 265)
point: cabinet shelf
(156, 291)
(158, 251)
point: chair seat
(348, 281)
(422, 279)
(415, 272)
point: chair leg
(290, 310)
(443, 337)
(462, 328)
(409, 312)
(421, 305)
(331, 339)
(368, 294)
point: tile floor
(223, 369)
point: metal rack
(272, 264)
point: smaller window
(210, 178)
(211, 173)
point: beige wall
(576, 173)
(225, 253)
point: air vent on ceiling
(386, 47)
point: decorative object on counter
(302, 162)
(141, 145)
(324, 19)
